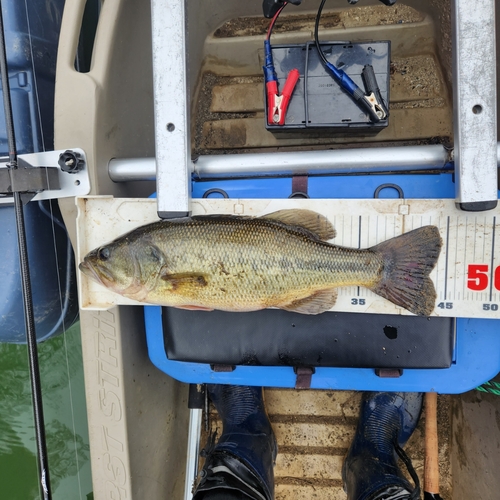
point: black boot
(241, 464)
(370, 470)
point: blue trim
(342, 186)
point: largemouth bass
(280, 260)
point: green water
(61, 370)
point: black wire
(36, 390)
(316, 26)
(415, 494)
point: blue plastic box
(476, 357)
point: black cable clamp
(270, 7)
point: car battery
(318, 101)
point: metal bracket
(42, 177)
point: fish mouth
(96, 273)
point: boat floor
(314, 430)
(229, 110)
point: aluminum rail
(474, 106)
(171, 103)
(321, 162)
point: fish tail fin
(408, 260)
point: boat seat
(281, 338)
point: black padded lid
(275, 338)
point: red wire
(271, 25)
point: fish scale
(258, 257)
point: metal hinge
(46, 175)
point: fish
(281, 260)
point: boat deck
(314, 430)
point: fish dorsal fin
(308, 219)
(317, 303)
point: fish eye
(103, 253)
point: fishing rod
(36, 390)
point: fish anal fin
(307, 219)
(194, 308)
(179, 281)
(317, 303)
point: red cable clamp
(277, 105)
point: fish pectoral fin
(194, 308)
(179, 281)
(316, 303)
(307, 219)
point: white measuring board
(466, 277)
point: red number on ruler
(496, 278)
(478, 277)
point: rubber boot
(240, 464)
(371, 470)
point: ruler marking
(359, 239)
(492, 256)
(465, 255)
(484, 239)
(437, 263)
(456, 260)
(475, 232)
(446, 258)
(359, 232)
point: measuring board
(466, 277)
